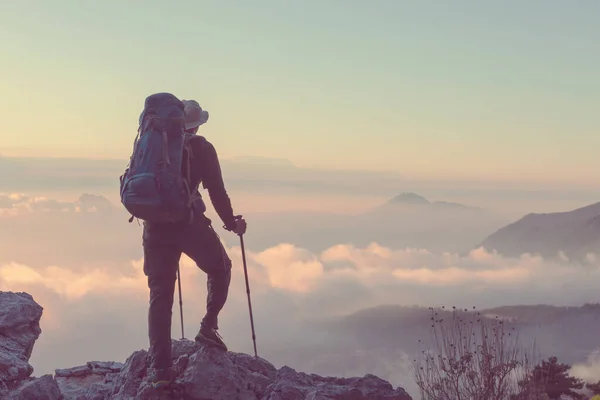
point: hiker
(164, 243)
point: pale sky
(487, 90)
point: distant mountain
(542, 313)
(410, 198)
(570, 333)
(574, 233)
(408, 220)
(411, 220)
(384, 317)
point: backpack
(152, 187)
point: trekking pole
(180, 301)
(248, 292)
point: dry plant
(471, 357)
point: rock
(92, 367)
(73, 372)
(200, 372)
(209, 373)
(128, 382)
(19, 329)
(95, 380)
(292, 385)
(214, 374)
(42, 388)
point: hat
(194, 114)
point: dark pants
(163, 246)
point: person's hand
(240, 225)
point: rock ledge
(202, 372)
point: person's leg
(161, 260)
(201, 243)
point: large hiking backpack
(152, 186)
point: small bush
(471, 357)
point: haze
(330, 119)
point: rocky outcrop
(209, 373)
(201, 372)
(19, 329)
(291, 385)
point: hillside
(543, 313)
(567, 332)
(387, 316)
(574, 233)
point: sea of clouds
(82, 262)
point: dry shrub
(471, 357)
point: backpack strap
(166, 158)
(130, 163)
(193, 192)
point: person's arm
(212, 180)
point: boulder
(19, 329)
(42, 388)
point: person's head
(194, 116)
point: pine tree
(594, 387)
(553, 379)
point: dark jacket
(206, 169)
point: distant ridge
(571, 234)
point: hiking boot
(161, 378)
(210, 337)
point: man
(164, 244)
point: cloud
(86, 229)
(290, 268)
(289, 285)
(72, 285)
(39, 231)
(400, 275)
(255, 174)
(38, 173)
(18, 204)
(82, 261)
(588, 371)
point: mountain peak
(408, 198)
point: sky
(492, 91)
(321, 112)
